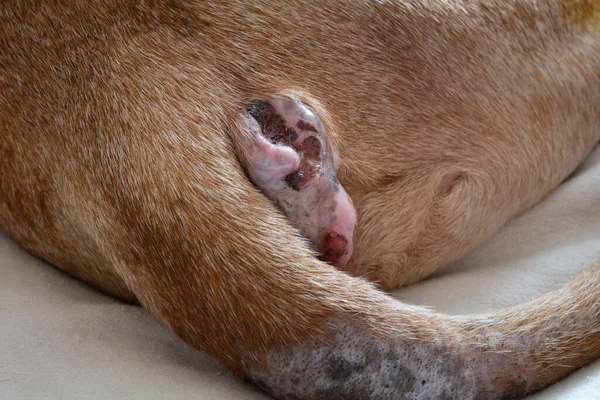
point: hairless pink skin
(288, 158)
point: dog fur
(120, 160)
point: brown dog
(124, 157)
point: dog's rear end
(119, 166)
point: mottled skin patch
(359, 365)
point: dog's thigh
(417, 223)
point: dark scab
(336, 246)
(293, 180)
(307, 171)
(306, 126)
(271, 123)
(258, 110)
(311, 147)
(290, 135)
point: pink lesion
(288, 161)
(306, 126)
(335, 246)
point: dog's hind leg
(218, 263)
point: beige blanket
(60, 339)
